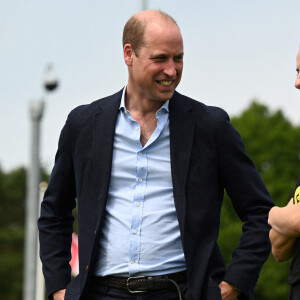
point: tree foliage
(12, 207)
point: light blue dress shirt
(140, 233)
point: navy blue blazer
(207, 156)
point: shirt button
(137, 204)
(132, 262)
(140, 180)
(136, 128)
(140, 153)
(134, 231)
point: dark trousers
(103, 292)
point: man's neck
(138, 104)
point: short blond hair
(134, 30)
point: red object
(74, 262)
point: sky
(235, 51)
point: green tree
(12, 195)
(12, 206)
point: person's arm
(286, 220)
(282, 246)
(56, 221)
(252, 202)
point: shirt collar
(164, 108)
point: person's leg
(170, 294)
(103, 292)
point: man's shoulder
(85, 111)
(203, 110)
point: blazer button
(87, 268)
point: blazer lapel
(103, 140)
(182, 123)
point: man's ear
(128, 54)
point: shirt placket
(138, 203)
(139, 192)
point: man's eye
(178, 58)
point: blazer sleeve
(251, 201)
(56, 220)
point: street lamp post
(144, 4)
(31, 212)
(32, 196)
(40, 284)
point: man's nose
(297, 83)
(170, 69)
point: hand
(59, 295)
(227, 291)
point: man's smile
(165, 82)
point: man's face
(297, 83)
(157, 67)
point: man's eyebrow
(165, 54)
(158, 55)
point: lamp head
(50, 79)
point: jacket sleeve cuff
(56, 283)
(247, 292)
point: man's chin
(165, 96)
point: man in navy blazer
(147, 168)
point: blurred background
(239, 55)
